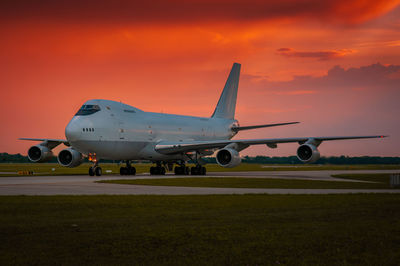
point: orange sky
(333, 65)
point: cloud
(320, 55)
(185, 11)
(376, 77)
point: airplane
(105, 129)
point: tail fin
(227, 102)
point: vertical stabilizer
(227, 102)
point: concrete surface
(85, 185)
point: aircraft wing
(51, 143)
(166, 147)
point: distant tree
(18, 158)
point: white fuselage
(122, 132)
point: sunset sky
(332, 65)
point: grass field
(382, 178)
(361, 229)
(380, 181)
(11, 169)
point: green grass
(47, 168)
(233, 182)
(299, 167)
(361, 229)
(382, 178)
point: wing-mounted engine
(308, 152)
(229, 157)
(39, 153)
(42, 152)
(70, 158)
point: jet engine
(308, 153)
(228, 158)
(39, 154)
(70, 158)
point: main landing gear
(185, 170)
(128, 170)
(198, 170)
(95, 169)
(157, 170)
(182, 170)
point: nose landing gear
(95, 169)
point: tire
(98, 171)
(152, 170)
(91, 172)
(178, 170)
(186, 170)
(203, 170)
(162, 171)
(132, 170)
(193, 171)
(123, 171)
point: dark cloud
(185, 11)
(320, 55)
(375, 77)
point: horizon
(334, 66)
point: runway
(85, 185)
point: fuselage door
(121, 130)
(210, 132)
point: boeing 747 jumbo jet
(104, 129)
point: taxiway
(86, 185)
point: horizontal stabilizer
(261, 126)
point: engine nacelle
(39, 154)
(308, 153)
(228, 158)
(70, 158)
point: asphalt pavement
(86, 185)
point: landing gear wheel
(193, 171)
(123, 171)
(127, 170)
(157, 170)
(132, 170)
(91, 171)
(203, 170)
(177, 170)
(182, 170)
(98, 171)
(198, 170)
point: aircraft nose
(72, 130)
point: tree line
(18, 158)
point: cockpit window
(88, 109)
